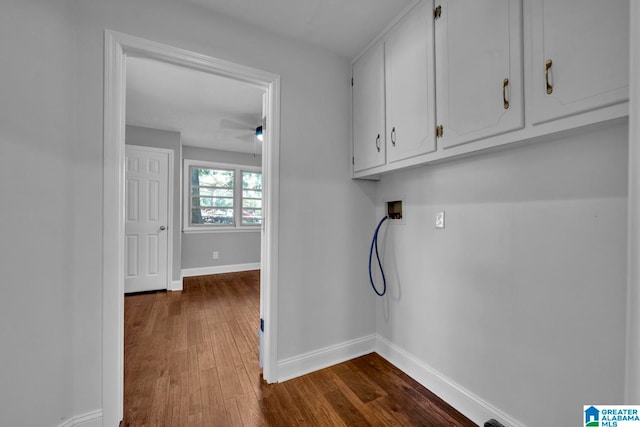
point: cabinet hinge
(439, 131)
(437, 12)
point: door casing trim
(117, 47)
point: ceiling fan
(244, 131)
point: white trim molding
(176, 285)
(315, 360)
(467, 403)
(219, 269)
(90, 419)
(117, 47)
(632, 368)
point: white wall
(221, 156)
(234, 248)
(136, 135)
(36, 214)
(521, 298)
(324, 298)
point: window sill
(245, 229)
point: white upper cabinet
(394, 94)
(369, 147)
(579, 56)
(410, 85)
(479, 76)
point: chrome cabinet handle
(505, 83)
(393, 136)
(378, 142)
(547, 66)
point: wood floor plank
(191, 359)
(233, 412)
(347, 390)
(362, 386)
(176, 414)
(195, 396)
(213, 407)
(206, 359)
(345, 409)
(252, 365)
(160, 401)
(311, 409)
(321, 409)
(225, 364)
(249, 409)
(281, 407)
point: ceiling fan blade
(233, 125)
(246, 138)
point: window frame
(237, 225)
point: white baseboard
(325, 357)
(175, 285)
(90, 419)
(218, 269)
(470, 405)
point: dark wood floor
(191, 359)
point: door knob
(162, 228)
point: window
(221, 196)
(251, 198)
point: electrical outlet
(216, 255)
(440, 220)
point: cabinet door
(587, 44)
(368, 110)
(478, 69)
(409, 73)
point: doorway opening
(118, 47)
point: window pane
(252, 203)
(251, 216)
(207, 191)
(226, 202)
(211, 177)
(251, 194)
(252, 180)
(212, 216)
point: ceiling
(342, 26)
(217, 112)
(209, 111)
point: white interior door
(146, 207)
